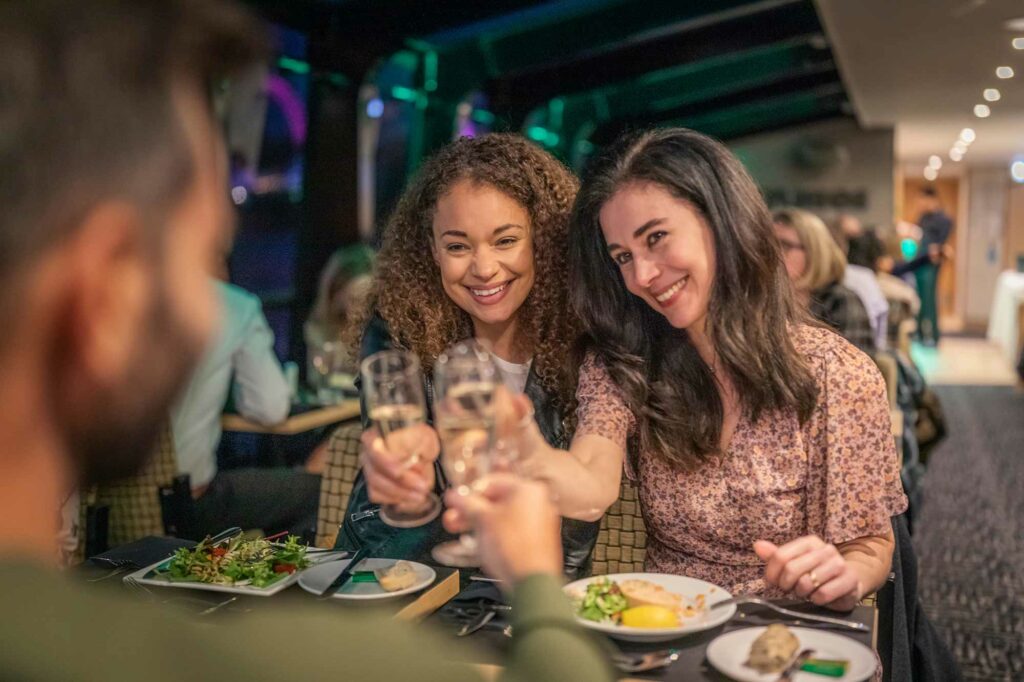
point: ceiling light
(934, 162)
(1018, 43)
(1014, 24)
(960, 147)
(1017, 171)
(930, 173)
(982, 111)
(956, 154)
(1004, 72)
(991, 95)
(967, 135)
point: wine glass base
(392, 516)
(456, 554)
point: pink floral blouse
(837, 476)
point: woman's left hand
(812, 569)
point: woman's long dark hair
(751, 312)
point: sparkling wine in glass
(465, 379)
(393, 388)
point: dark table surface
(489, 645)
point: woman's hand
(400, 471)
(812, 569)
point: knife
(345, 574)
(787, 674)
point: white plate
(688, 588)
(728, 653)
(315, 579)
(210, 587)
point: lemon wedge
(650, 617)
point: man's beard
(121, 438)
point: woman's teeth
(670, 292)
(489, 292)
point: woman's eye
(455, 248)
(622, 258)
(507, 241)
(654, 237)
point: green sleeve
(548, 643)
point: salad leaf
(603, 602)
(242, 562)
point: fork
(118, 566)
(852, 624)
(652, 660)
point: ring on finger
(813, 577)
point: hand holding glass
(393, 391)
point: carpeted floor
(970, 535)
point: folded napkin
(140, 553)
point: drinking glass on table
(331, 368)
(393, 389)
(465, 379)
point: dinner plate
(161, 581)
(315, 579)
(688, 588)
(728, 653)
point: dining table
(319, 416)
(488, 647)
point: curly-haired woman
(763, 453)
(476, 247)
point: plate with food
(371, 579)
(648, 607)
(257, 567)
(762, 654)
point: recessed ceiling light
(982, 111)
(1014, 24)
(956, 154)
(934, 162)
(930, 173)
(1018, 43)
(1004, 72)
(960, 146)
(991, 95)
(967, 135)
(1017, 171)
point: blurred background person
(860, 277)
(816, 267)
(935, 229)
(345, 283)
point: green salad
(242, 562)
(603, 602)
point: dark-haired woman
(475, 248)
(760, 443)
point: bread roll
(398, 577)
(772, 651)
(644, 593)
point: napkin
(141, 553)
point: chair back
(622, 541)
(135, 510)
(336, 481)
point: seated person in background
(106, 307)
(239, 361)
(816, 266)
(860, 278)
(345, 283)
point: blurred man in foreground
(112, 205)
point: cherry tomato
(218, 551)
(284, 568)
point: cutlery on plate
(787, 674)
(345, 574)
(799, 615)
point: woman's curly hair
(408, 293)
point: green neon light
(482, 116)
(430, 71)
(537, 133)
(293, 65)
(552, 139)
(403, 93)
(556, 108)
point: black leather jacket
(362, 527)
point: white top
(513, 374)
(244, 349)
(1002, 321)
(862, 281)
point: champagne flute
(393, 388)
(465, 379)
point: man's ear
(109, 290)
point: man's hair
(88, 93)
(930, 192)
